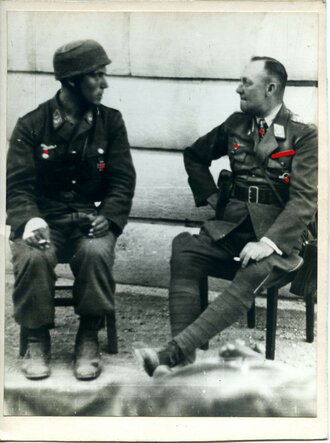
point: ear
(271, 88)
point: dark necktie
(262, 128)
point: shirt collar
(271, 116)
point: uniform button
(100, 151)
(74, 152)
(282, 163)
(73, 182)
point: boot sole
(36, 377)
(87, 377)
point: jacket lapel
(277, 130)
(266, 145)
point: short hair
(275, 68)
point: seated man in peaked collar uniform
(63, 157)
(259, 231)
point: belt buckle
(253, 194)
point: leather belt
(256, 194)
(67, 197)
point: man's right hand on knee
(36, 233)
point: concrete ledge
(162, 190)
(158, 113)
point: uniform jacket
(238, 138)
(51, 172)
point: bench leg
(112, 333)
(272, 301)
(251, 316)
(204, 294)
(309, 300)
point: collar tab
(279, 131)
(89, 117)
(57, 119)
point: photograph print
(161, 213)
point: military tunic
(58, 171)
(288, 153)
(52, 171)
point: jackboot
(170, 356)
(37, 357)
(87, 355)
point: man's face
(92, 85)
(252, 89)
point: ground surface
(142, 318)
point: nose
(104, 83)
(239, 88)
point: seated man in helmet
(63, 157)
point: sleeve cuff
(272, 245)
(115, 229)
(33, 224)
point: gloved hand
(36, 233)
